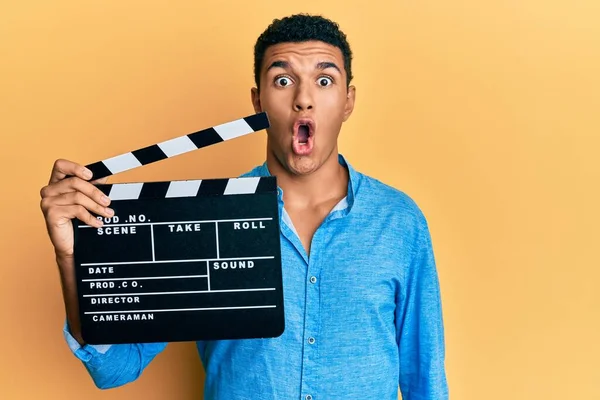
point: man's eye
(283, 81)
(324, 81)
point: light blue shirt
(363, 313)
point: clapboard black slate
(182, 261)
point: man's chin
(302, 165)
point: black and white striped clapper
(182, 260)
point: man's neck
(329, 182)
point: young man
(362, 299)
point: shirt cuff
(85, 352)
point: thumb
(100, 181)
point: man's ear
(255, 100)
(350, 99)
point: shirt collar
(345, 205)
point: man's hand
(69, 194)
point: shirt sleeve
(115, 365)
(419, 323)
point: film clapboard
(182, 260)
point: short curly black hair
(301, 28)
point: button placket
(312, 318)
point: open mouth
(303, 134)
(303, 138)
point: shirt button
(308, 397)
(311, 340)
(313, 279)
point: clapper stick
(179, 145)
(182, 260)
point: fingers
(63, 168)
(77, 198)
(58, 215)
(75, 185)
(69, 194)
(74, 197)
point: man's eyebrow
(279, 64)
(322, 65)
(328, 64)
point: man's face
(303, 90)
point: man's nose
(304, 99)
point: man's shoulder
(383, 197)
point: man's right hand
(70, 194)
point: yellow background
(485, 112)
